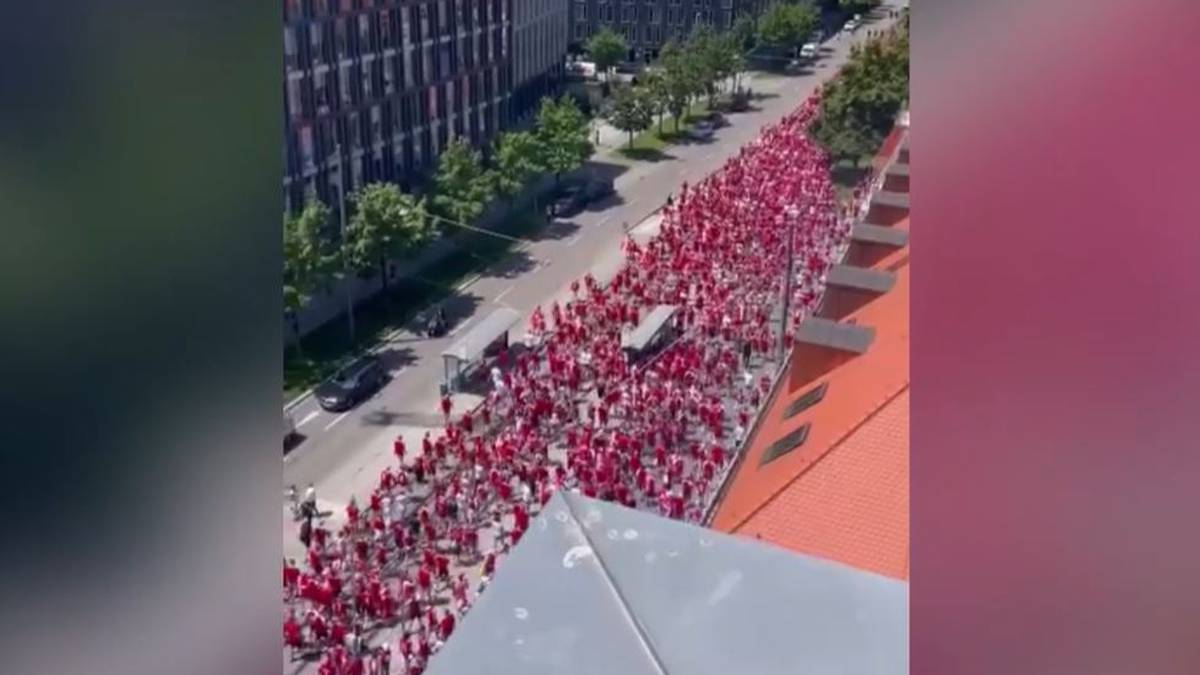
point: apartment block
(374, 89)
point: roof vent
(805, 401)
(784, 445)
(835, 335)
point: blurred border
(140, 167)
(1054, 347)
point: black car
(350, 385)
(569, 202)
(599, 189)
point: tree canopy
(631, 111)
(562, 133)
(517, 160)
(462, 189)
(607, 48)
(859, 107)
(310, 258)
(787, 26)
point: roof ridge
(612, 585)
(832, 446)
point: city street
(342, 454)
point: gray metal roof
(835, 335)
(470, 346)
(886, 198)
(879, 234)
(639, 337)
(898, 168)
(861, 278)
(595, 588)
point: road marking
(503, 293)
(574, 240)
(458, 329)
(337, 419)
(307, 418)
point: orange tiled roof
(843, 493)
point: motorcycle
(437, 326)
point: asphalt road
(336, 447)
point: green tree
(859, 107)
(631, 111)
(462, 188)
(517, 160)
(704, 58)
(386, 223)
(681, 76)
(607, 48)
(309, 259)
(858, 5)
(787, 26)
(658, 96)
(562, 134)
(744, 32)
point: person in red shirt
(316, 623)
(446, 625)
(446, 405)
(292, 636)
(291, 577)
(424, 582)
(398, 448)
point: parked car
(701, 130)
(351, 384)
(717, 120)
(850, 27)
(809, 51)
(570, 201)
(599, 189)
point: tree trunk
(383, 277)
(631, 139)
(295, 317)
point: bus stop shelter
(647, 333)
(471, 348)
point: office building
(648, 24)
(374, 89)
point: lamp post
(790, 233)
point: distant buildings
(374, 89)
(648, 24)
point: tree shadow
(383, 417)
(608, 202)
(557, 229)
(395, 359)
(512, 265)
(645, 154)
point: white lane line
(504, 293)
(307, 418)
(459, 328)
(574, 240)
(337, 419)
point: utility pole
(790, 233)
(337, 149)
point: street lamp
(337, 149)
(790, 232)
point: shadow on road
(384, 418)
(394, 358)
(510, 266)
(557, 229)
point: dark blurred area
(139, 185)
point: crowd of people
(575, 411)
